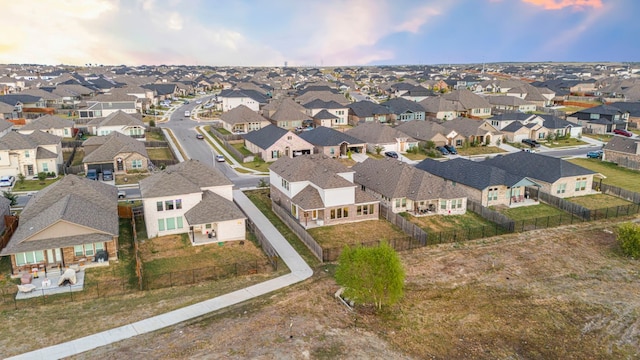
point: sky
(317, 32)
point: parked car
(7, 181)
(442, 150)
(529, 150)
(595, 154)
(92, 174)
(451, 149)
(219, 158)
(107, 175)
(391, 154)
(198, 102)
(623, 132)
(186, 102)
(187, 113)
(122, 194)
(531, 142)
(199, 136)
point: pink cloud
(561, 4)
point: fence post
(170, 279)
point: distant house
(441, 108)
(51, 124)
(272, 142)
(116, 152)
(519, 126)
(511, 103)
(471, 104)
(333, 143)
(403, 187)
(428, 130)
(234, 98)
(378, 135)
(555, 176)
(632, 107)
(368, 112)
(287, 114)
(623, 151)
(192, 198)
(319, 191)
(30, 154)
(242, 119)
(600, 119)
(471, 131)
(404, 110)
(121, 122)
(66, 223)
(104, 105)
(338, 114)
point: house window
(26, 153)
(594, 116)
(179, 204)
(159, 206)
(179, 223)
(359, 210)
(66, 132)
(168, 205)
(333, 214)
(45, 167)
(458, 142)
(289, 137)
(581, 184)
(294, 211)
(562, 188)
(345, 212)
(171, 223)
(85, 250)
(274, 154)
(160, 224)
(285, 184)
(443, 204)
(371, 209)
(30, 257)
(459, 204)
(136, 164)
(493, 194)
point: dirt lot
(564, 293)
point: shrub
(629, 238)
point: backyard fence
(409, 228)
(628, 195)
(226, 142)
(560, 203)
(300, 231)
(268, 249)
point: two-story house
(29, 154)
(119, 121)
(51, 124)
(241, 119)
(234, 98)
(403, 110)
(318, 190)
(338, 113)
(192, 198)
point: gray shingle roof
(477, 175)
(318, 169)
(537, 166)
(241, 115)
(623, 144)
(266, 136)
(18, 141)
(112, 146)
(367, 109)
(187, 177)
(324, 136)
(47, 122)
(118, 118)
(375, 133)
(76, 200)
(288, 110)
(213, 208)
(422, 130)
(400, 106)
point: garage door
(100, 167)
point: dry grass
(131, 178)
(337, 236)
(439, 223)
(160, 154)
(599, 201)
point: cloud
(561, 4)
(175, 21)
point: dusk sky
(317, 32)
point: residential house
(516, 127)
(482, 183)
(338, 113)
(68, 222)
(403, 110)
(555, 176)
(318, 190)
(287, 114)
(632, 107)
(472, 104)
(415, 93)
(273, 142)
(368, 112)
(241, 119)
(51, 124)
(383, 137)
(623, 151)
(29, 154)
(441, 108)
(234, 98)
(192, 198)
(404, 188)
(511, 103)
(333, 143)
(162, 91)
(429, 130)
(5, 126)
(104, 105)
(119, 122)
(116, 152)
(600, 119)
(463, 130)
(561, 127)
(326, 96)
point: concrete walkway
(299, 272)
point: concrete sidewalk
(299, 272)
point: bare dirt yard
(565, 293)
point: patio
(49, 285)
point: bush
(629, 238)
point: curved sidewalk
(299, 272)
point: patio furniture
(26, 279)
(46, 282)
(26, 288)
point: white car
(219, 158)
(7, 181)
(199, 102)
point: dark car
(451, 149)
(92, 174)
(107, 175)
(199, 136)
(594, 154)
(623, 132)
(442, 150)
(531, 142)
(391, 154)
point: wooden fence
(268, 249)
(560, 203)
(628, 195)
(11, 223)
(409, 228)
(300, 231)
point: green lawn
(599, 201)
(616, 175)
(33, 185)
(258, 165)
(155, 136)
(243, 150)
(479, 150)
(159, 154)
(599, 137)
(564, 142)
(531, 212)
(337, 236)
(448, 222)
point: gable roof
(554, 122)
(623, 144)
(422, 130)
(17, 141)
(467, 99)
(367, 109)
(267, 136)
(537, 166)
(324, 136)
(289, 110)
(241, 114)
(187, 177)
(321, 104)
(118, 118)
(438, 104)
(602, 110)
(213, 208)
(252, 94)
(400, 106)
(319, 169)
(48, 122)
(468, 127)
(395, 179)
(477, 175)
(111, 146)
(375, 133)
(87, 203)
(14, 99)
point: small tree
(21, 178)
(429, 144)
(152, 123)
(551, 136)
(262, 183)
(629, 238)
(378, 149)
(42, 176)
(371, 275)
(11, 196)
